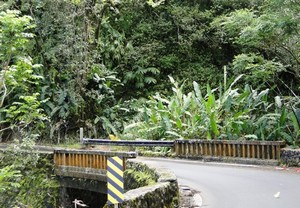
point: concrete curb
(242, 161)
(189, 198)
(147, 196)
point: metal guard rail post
(269, 150)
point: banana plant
(222, 113)
(295, 117)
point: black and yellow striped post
(115, 181)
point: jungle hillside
(150, 69)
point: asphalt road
(233, 186)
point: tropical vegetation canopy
(149, 69)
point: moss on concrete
(158, 187)
(290, 157)
(138, 175)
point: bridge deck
(87, 164)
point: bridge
(90, 165)
(85, 169)
(199, 149)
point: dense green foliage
(222, 113)
(25, 178)
(67, 64)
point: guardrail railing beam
(144, 143)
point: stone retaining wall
(290, 157)
(164, 193)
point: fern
(142, 76)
